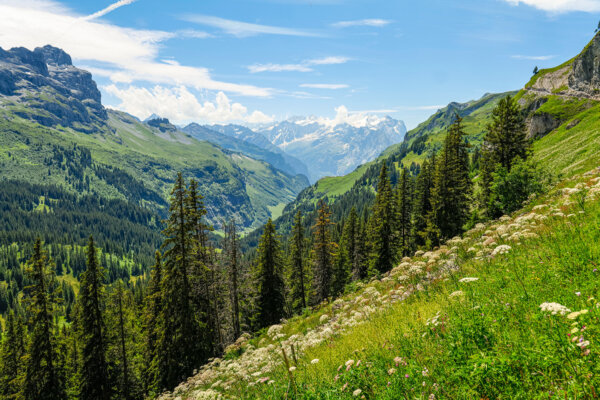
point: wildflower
(467, 280)
(407, 376)
(576, 314)
(577, 294)
(425, 372)
(316, 360)
(356, 393)
(345, 386)
(554, 308)
(391, 371)
(585, 352)
(349, 363)
(263, 380)
(432, 396)
(502, 249)
(458, 293)
(271, 382)
(324, 318)
(292, 369)
(358, 363)
(583, 343)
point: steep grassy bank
(509, 311)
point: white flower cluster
(554, 308)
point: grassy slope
(421, 331)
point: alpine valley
(307, 258)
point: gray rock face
(52, 91)
(541, 124)
(585, 74)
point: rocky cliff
(44, 86)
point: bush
(512, 189)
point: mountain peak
(54, 56)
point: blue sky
(259, 60)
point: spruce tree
(181, 343)
(269, 278)
(450, 197)
(152, 324)
(506, 134)
(403, 218)
(422, 201)
(382, 254)
(94, 377)
(297, 266)
(231, 250)
(341, 269)
(359, 258)
(322, 254)
(42, 376)
(12, 353)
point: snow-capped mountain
(332, 147)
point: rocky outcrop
(541, 124)
(585, 72)
(51, 90)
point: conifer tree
(322, 254)
(341, 269)
(152, 325)
(403, 218)
(181, 344)
(231, 250)
(12, 353)
(381, 223)
(123, 346)
(297, 266)
(94, 377)
(42, 376)
(506, 134)
(269, 278)
(422, 201)
(359, 259)
(452, 186)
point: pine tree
(341, 269)
(181, 342)
(404, 204)
(123, 346)
(297, 266)
(42, 375)
(381, 223)
(269, 278)
(12, 352)
(422, 202)
(231, 250)
(152, 324)
(95, 383)
(450, 197)
(359, 259)
(322, 254)
(506, 134)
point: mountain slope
(55, 131)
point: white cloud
(130, 54)
(331, 86)
(304, 66)
(256, 68)
(422, 108)
(362, 22)
(179, 105)
(328, 61)
(357, 119)
(559, 6)
(108, 9)
(535, 58)
(245, 29)
(194, 34)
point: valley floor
(509, 311)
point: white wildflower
(314, 361)
(457, 293)
(356, 393)
(324, 318)
(554, 308)
(467, 280)
(502, 249)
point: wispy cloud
(304, 66)
(535, 58)
(245, 29)
(108, 9)
(421, 108)
(362, 22)
(329, 86)
(124, 55)
(560, 6)
(194, 34)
